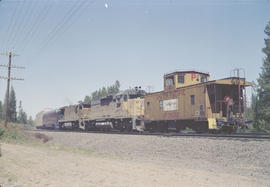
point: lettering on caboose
(170, 95)
(170, 115)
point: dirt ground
(93, 161)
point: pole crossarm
(9, 54)
(13, 66)
(12, 78)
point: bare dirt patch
(23, 165)
(44, 138)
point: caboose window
(181, 79)
(148, 104)
(161, 104)
(169, 81)
(192, 99)
(203, 79)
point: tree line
(261, 97)
(113, 89)
(12, 114)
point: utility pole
(9, 66)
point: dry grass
(15, 133)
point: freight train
(189, 100)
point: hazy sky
(73, 47)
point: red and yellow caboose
(191, 100)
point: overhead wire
(14, 25)
(23, 17)
(5, 48)
(61, 26)
(17, 24)
(37, 25)
(32, 17)
(1, 4)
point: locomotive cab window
(181, 79)
(86, 105)
(192, 99)
(125, 97)
(169, 81)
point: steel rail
(170, 134)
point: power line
(30, 15)
(34, 29)
(61, 26)
(8, 28)
(12, 28)
(17, 24)
(21, 23)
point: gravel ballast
(218, 155)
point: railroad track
(171, 134)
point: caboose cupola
(180, 79)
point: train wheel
(61, 126)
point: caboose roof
(186, 71)
(225, 81)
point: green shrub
(2, 132)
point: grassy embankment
(15, 133)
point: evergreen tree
(113, 89)
(30, 121)
(87, 98)
(22, 116)
(262, 114)
(117, 86)
(1, 111)
(12, 114)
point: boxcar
(50, 119)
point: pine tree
(1, 111)
(12, 114)
(87, 98)
(113, 89)
(30, 121)
(262, 113)
(22, 116)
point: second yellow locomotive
(122, 111)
